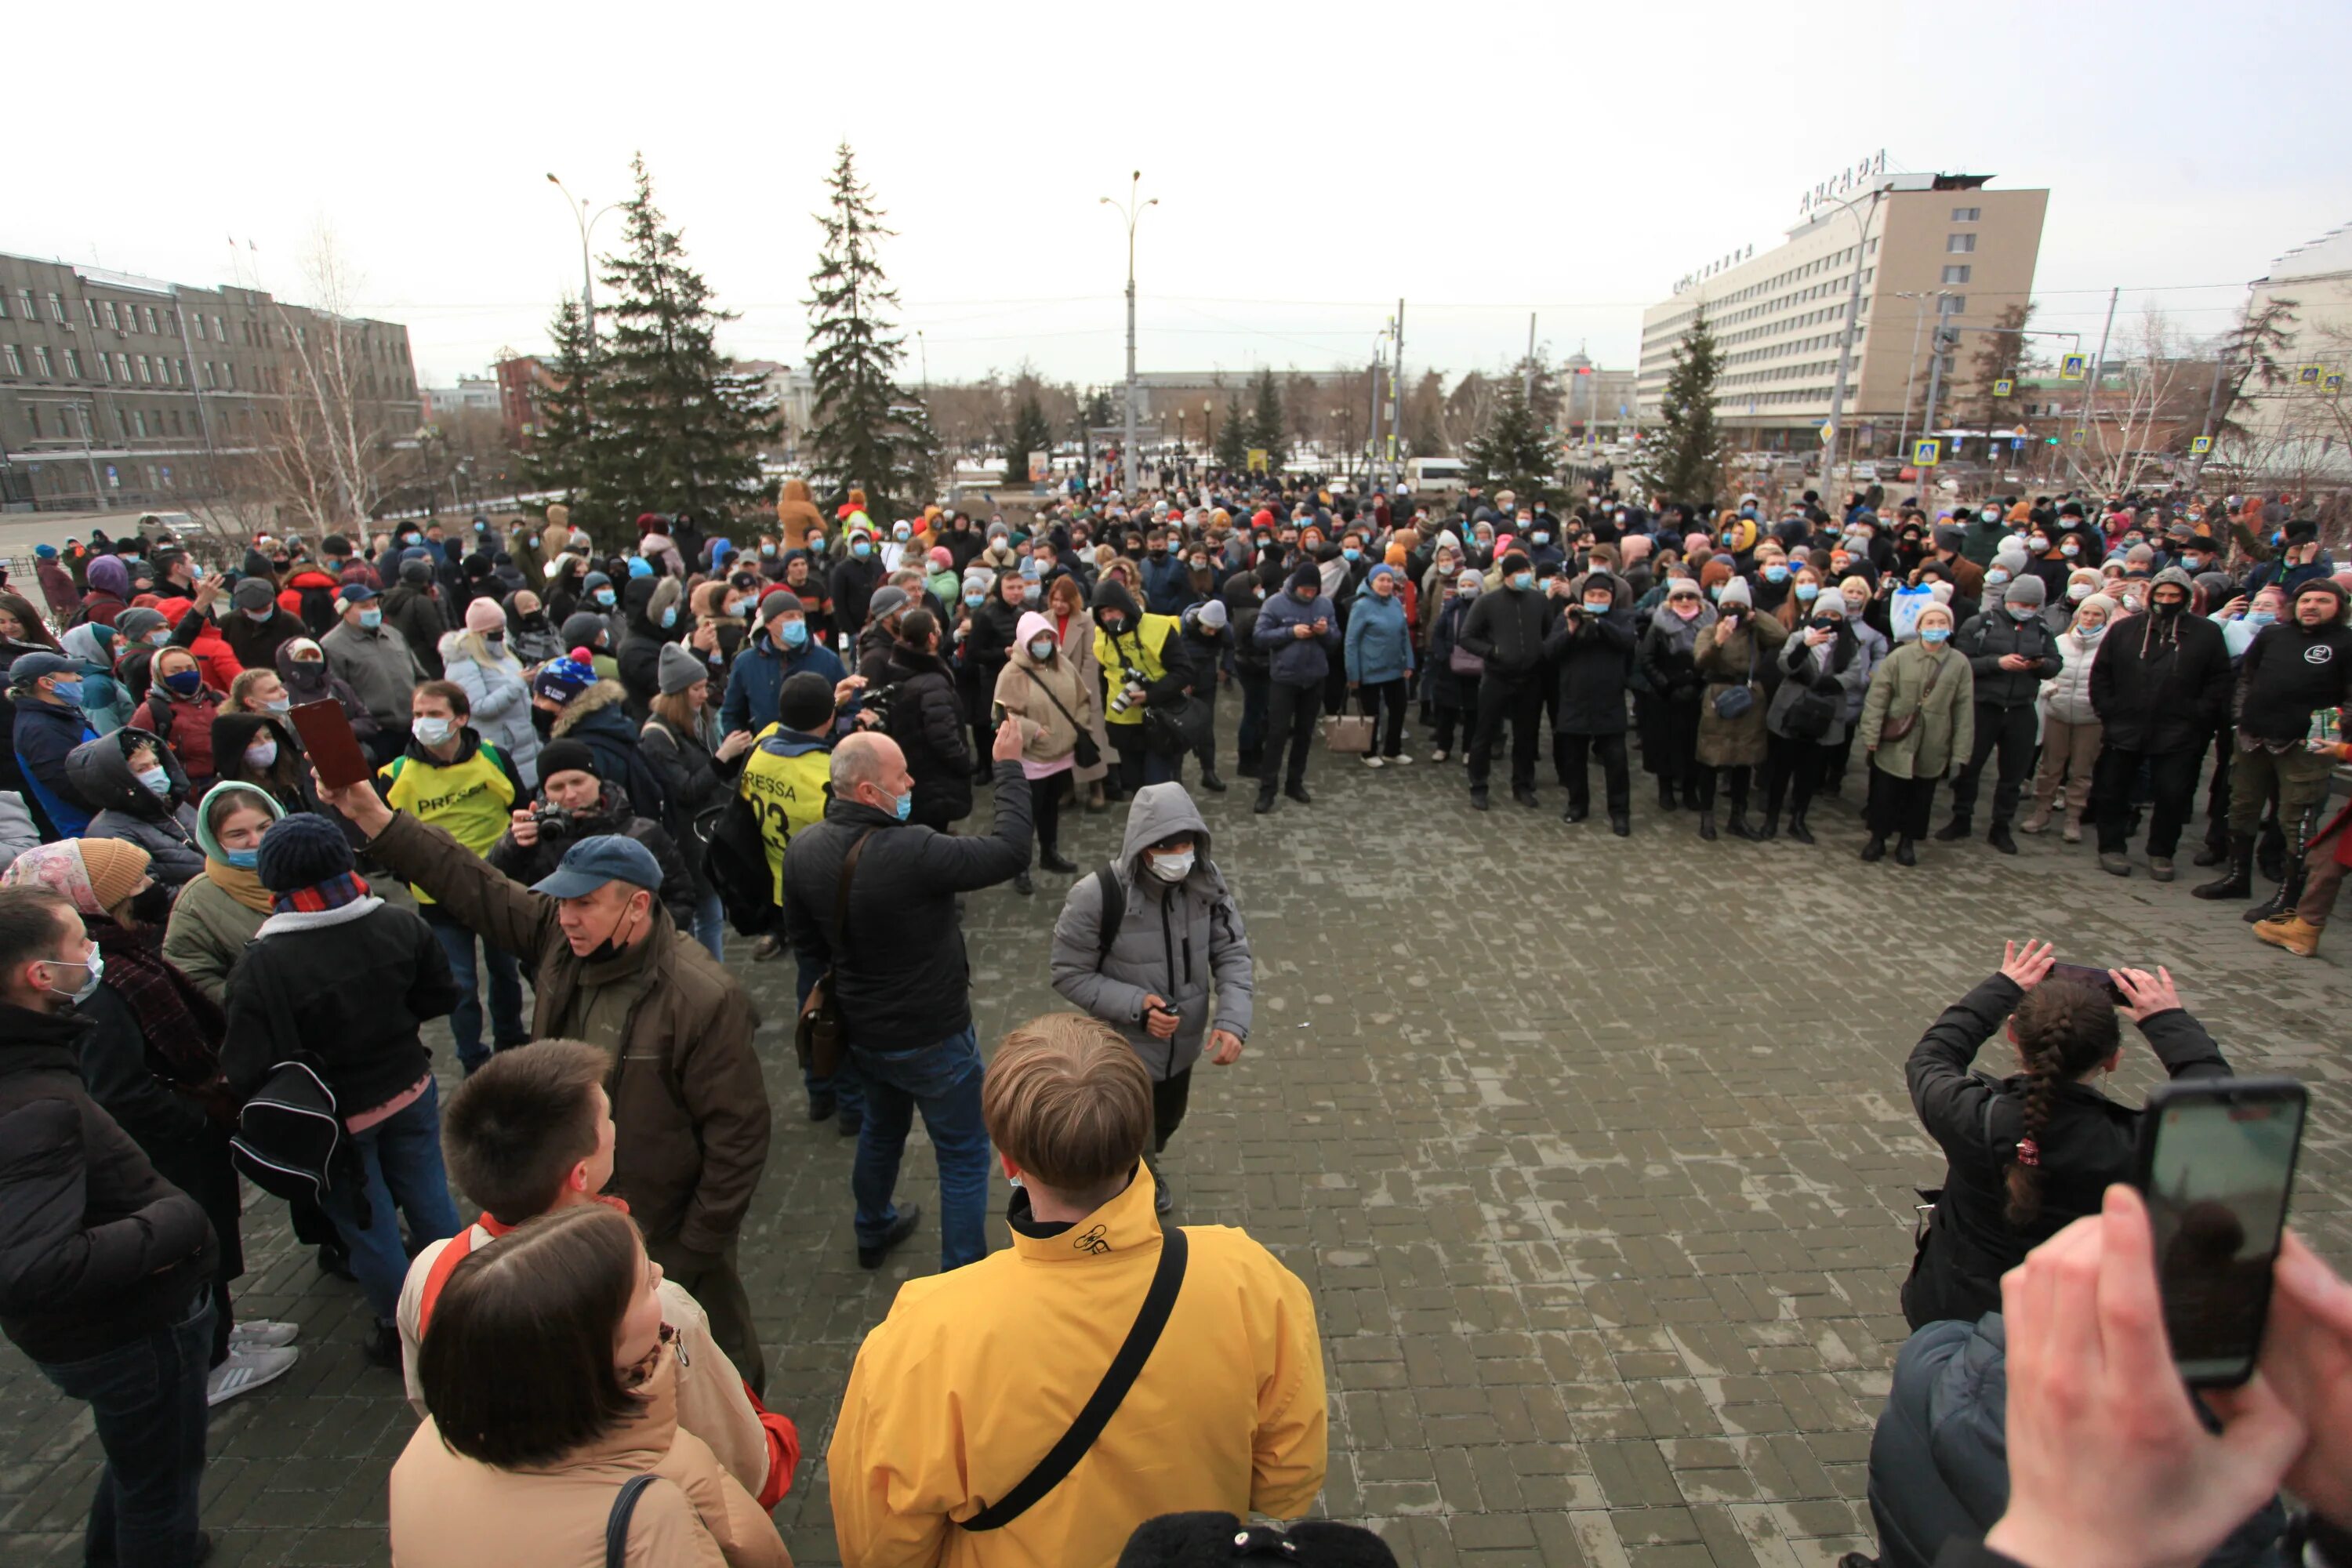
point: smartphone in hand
(2099, 980)
(334, 749)
(2215, 1163)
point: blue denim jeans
(849, 1098)
(147, 1399)
(710, 925)
(402, 1157)
(507, 1025)
(943, 1080)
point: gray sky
(1570, 160)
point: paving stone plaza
(1595, 1152)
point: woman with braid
(2028, 1154)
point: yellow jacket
(977, 1373)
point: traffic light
(2049, 440)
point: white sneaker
(1401, 759)
(261, 1333)
(1437, 756)
(1371, 761)
(246, 1370)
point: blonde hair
(241, 687)
(1068, 1099)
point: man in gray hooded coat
(1141, 942)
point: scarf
(1682, 636)
(240, 883)
(183, 1027)
(331, 894)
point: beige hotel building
(1961, 251)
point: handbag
(1461, 661)
(1349, 734)
(290, 1140)
(816, 1039)
(1159, 1302)
(1177, 727)
(1084, 751)
(616, 1522)
(1734, 701)
(1896, 728)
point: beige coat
(450, 1511)
(1029, 690)
(1078, 648)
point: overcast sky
(1312, 164)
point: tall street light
(1132, 212)
(580, 214)
(1885, 186)
(1911, 372)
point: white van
(1435, 473)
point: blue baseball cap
(592, 862)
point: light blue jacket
(1380, 640)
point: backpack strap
(444, 1263)
(1114, 910)
(1167, 1279)
(617, 1523)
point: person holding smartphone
(2028, 1153)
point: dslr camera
(553, 821)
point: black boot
(2238, 881)
(1707, 824)
(1953, 831)
(1667, 794)
(2001, 840)
(1621, 823)
(1021, 884)
(1055, 864)
(1575, 812)
(1875, 850)
(1246, 764)
(1904, 854)
(1740, 827)
(2289, 893)
(1211, 782)
(1265, 802)
(2270, 852)
(1771, 828)
(1797, 829)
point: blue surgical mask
(604, 596)
(371, 620)
(1523, 581)
(767, 550)
(1808, 592)
(1540, 538)
(975, 599)
(1353, 553)
(246, 859)
(2091, 633)
(157, 781)
(795, 634)
(669, 618)
(2021, 611)
(1933, 634)
(1776, 574)
(1715, 590)
(904, 807)
(860, 548)
(69, 691)
(161, 636)
(2260, 617)
(1996, 577)
(184, 682)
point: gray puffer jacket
(1173, 939)
(99, 772)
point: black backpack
(735, 858)
(289, 1138)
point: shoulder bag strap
(1113, 912)
(841, 899)
(1167, 1279)
(617, 1523)
(1047, 692)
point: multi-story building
(522, 378)
(1939, 249)
(2301, 432)
(473, 393)
(119, 391)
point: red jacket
(187, 723)
(219, 665)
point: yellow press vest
(470, 799)
(1142, 649)
(787, 790)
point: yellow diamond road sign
(2003, 387)
(1926, 454)
(2199, 445)
(2070, 368)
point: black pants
(1462, 709)
(1134, 764)
(1251, 739)
(1375, 696)
(1521, 704)
(1045, 814)
(2172, 780)
(1677, 763)
(1792, 771)
(1569, 754)
(1290, 713)
(2011, 731)
(1899, 807)
(1835, 758)
(1170, 1096)
(1735, 777)
(2217, 797)
(1207, 750)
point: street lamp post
(1911, 371)
(1883, 187)
(579, 216)
(1132, 212)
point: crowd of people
(592, 768)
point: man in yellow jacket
(978, 1374)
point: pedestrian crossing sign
(2070, 367)
(1926, 454)
(2003, 387)
(2199, 445)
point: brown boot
(2037, 819)
(2073, 830)
(1095, 795)
(2290, 932)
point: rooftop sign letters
(1845, 183)
(1744, 253)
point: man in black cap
(1506, 631)
(688, 1103)
(258, 625)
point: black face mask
(543, 722)
(534, 622)
(608, 949)
(151, 905)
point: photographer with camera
(1144, 666)
(2030, 1153)
(573, 803)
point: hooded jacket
(1291, 660)
(315, 681)
(2158, 693)
(530, 863)
(1174, 940)
(2066, 696)
(1744, 659)
(499, 701)
(645, 600)
(595, 718)
(1379, 638)
(1031, 689)
(100, 773)
(286, 780)
(688, 1103)
(409, 609)
(104, 701)
(1839, 677)
(1148, 648)
(1506, 626)
(976, 1373)
(1594, 658)
(312, 591)
(97, 1249)
(929, 725)
(187, 723)
(796, 514)
(450, 1511)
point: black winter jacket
(1595, 661)
(1986, 639)
(2289, 671)
(96, 1248)
(900, 971)
(852, 583)
(414, 614)
(388, 975)
(2086, 1147)
(533, 862)
(930, 726)
(2156, 693)
(1506, 628)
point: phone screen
(2217, 1180)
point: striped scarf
(331, 894)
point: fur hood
(602, 695)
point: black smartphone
(996, 715)
(2216, 1164)
(2096, 979)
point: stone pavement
(1596, 1154)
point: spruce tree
(563, 455)
(1031, 433)
(1514, 452)
(868, 432)
(1233, 437)
(1268, 424)
(1683, 460)
(675, 425)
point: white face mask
(261, 754)
(433, 731)
(1041, 648)
(1172, 867)
(95, 963)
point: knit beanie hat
(565, 755)
(581, 628)
(1307, 577)
(1212, 615)
(1735, 593)
(562, 679)
(415, 571)
(115, 865)
(2026, 590)
(2010, 561)
(887, 601)
(678, 670)
(2102, 600)
(484, 615)
(640, 567)
(805, 702)
(253, 594)
(301, 851)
